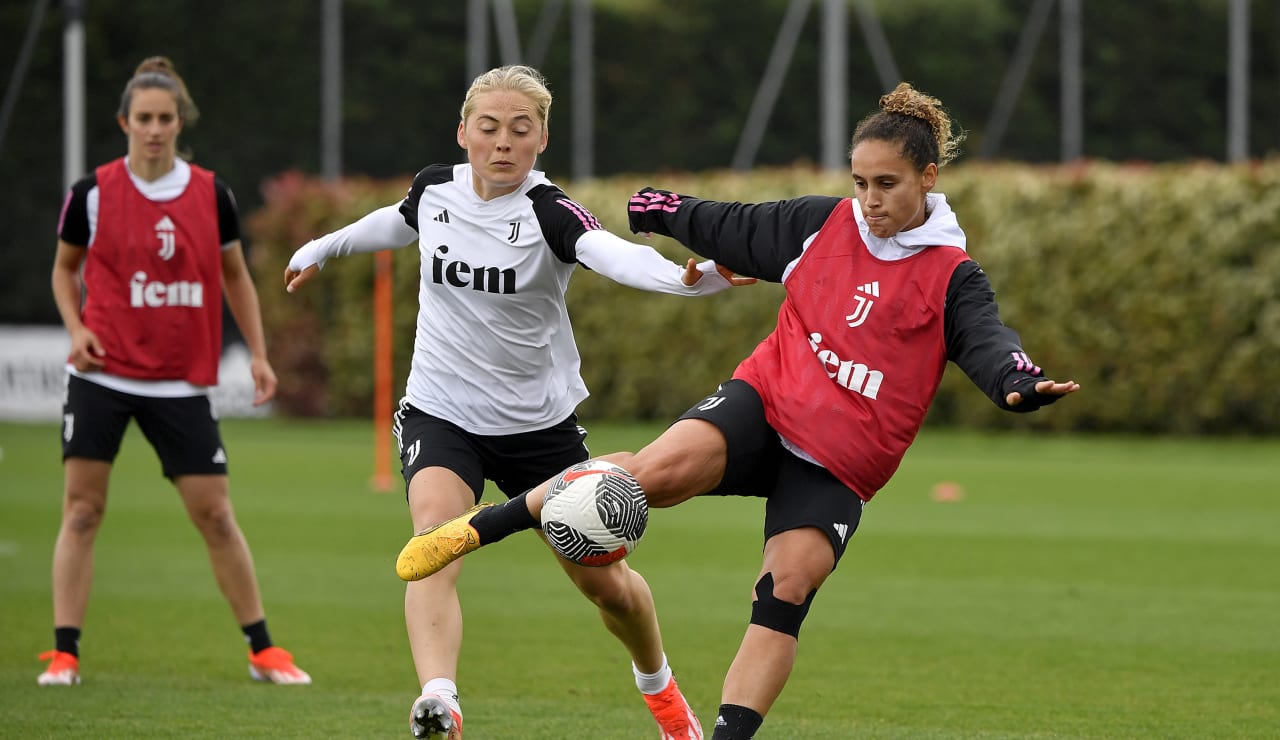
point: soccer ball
(594, 513)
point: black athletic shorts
(183, 431)
(798, 493)
(514, 462)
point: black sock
(736, 723)
(67, 640)
(495, 522)
(257, 636)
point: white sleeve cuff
(642, 267)
(382, 229)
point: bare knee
(613, 602)
(217, 524)
(799, 561)
(794, 587)
(209, 507)
(82, 515)
(84, 500)
(608, 588)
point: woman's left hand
(1045, 388)
(264, 380)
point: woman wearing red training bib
(159, 242)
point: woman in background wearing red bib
(159, 242)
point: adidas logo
(872, 288)
(720, 721)
(842, 530)
(220, 457)
(443, 217)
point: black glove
(648, 208)
(1031, 398)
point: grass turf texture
(1081, 587)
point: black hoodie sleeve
(989, 352)
(757, 240)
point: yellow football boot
(431, 550)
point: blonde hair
(159, 72)
(915, 120)
(515, 78)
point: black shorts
(798, 493)
(514, 462)
(183, 431)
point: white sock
(447, 690)
(653, 683)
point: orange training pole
(382, 372)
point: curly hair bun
(908, 101)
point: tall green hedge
(1157, 288)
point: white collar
(940, 228)
(168, 186)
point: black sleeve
(228, 213)
(753, 239)
(430, 175)
(73, 223)
(562, 220)
(989, 352)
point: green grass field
(1082, 587)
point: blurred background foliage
(1155, 287)
(1149, 273)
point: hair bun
(907, 101)
(158, 64)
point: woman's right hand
(303, 265)
(87, 354)
(295, 278)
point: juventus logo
(711, 403)
(411, 452)
(863, 310)
(515, 231)
(168, 239)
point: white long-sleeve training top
(494, 350)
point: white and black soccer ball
(594, 513)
